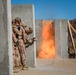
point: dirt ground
(51, 67)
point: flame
(48, 44)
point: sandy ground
(51, 67)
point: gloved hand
(35, 39)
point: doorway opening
(47, 45)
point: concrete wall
(61, 38)
(26, 13)
(5, 35)
(38, 30)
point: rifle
(27, 44)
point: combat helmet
(17, 19)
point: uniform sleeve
(14, 38)
(24, 35)
(26, 39)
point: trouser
(16, 57)
(22, 55)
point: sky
(51, 9)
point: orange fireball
(48, 43)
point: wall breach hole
(47, 47)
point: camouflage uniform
(21, 31)
(28, 30)
(21, 36)
(16, 54)
(22, 49)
